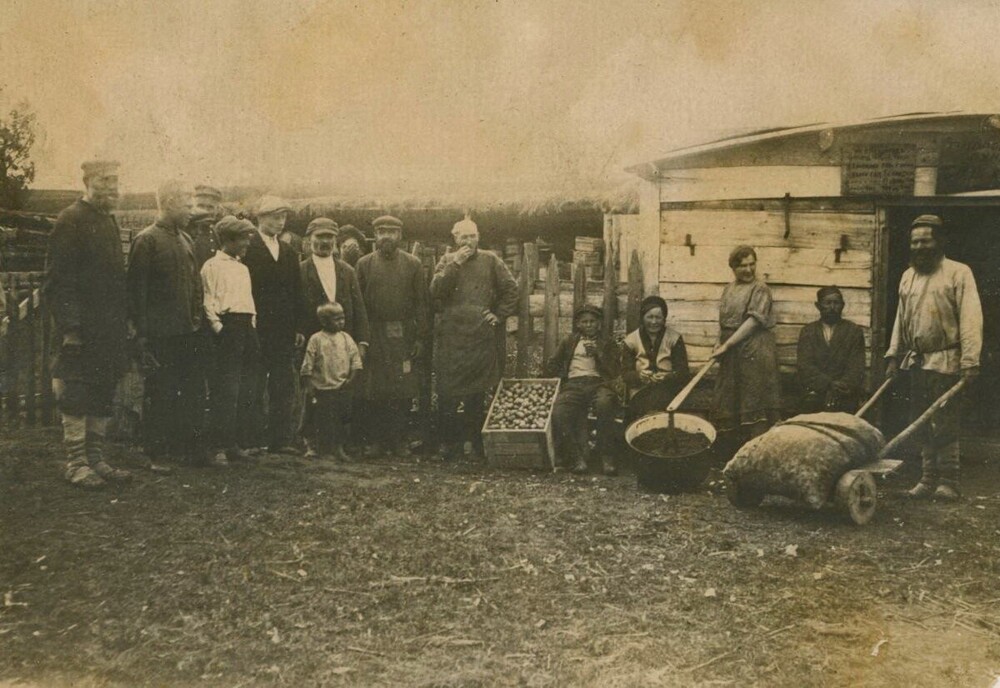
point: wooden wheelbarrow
(856, 493)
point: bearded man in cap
(474, 292)
(277, 296)
(85, 287)
(936, 340)
(831, 357)
(207, 211)
(396, 298)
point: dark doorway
(973, 239)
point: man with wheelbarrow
(936, 340)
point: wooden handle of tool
(878, 392)
(683, 394)
(919, 422)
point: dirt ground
(413, 572)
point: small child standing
(331, 363)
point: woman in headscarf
(654, 361)
(748, 389)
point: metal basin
(676, 473)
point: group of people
(286, 344)
(936, 339)
(282, 344)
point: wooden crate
(509, 448)
(589, 244)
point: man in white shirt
(230, 311)
(937, 338)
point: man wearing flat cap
(207, 211)
(277, 295)
(473, 292)
(396, 298)
(327, 279)
(936, 340)
(352, 244)
(85, 287)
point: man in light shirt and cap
(936, 340)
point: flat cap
(596, 311)
(208, 191)
(231, 227)
(927, 221)
(270, 205)
(322, 225)
(348, 232)
(387, 222)
(100, 167)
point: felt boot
(95, 436)
(78, 471)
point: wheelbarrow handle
(683, 394)
(910, 429)
(875, 397)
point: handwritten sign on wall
(878, 169)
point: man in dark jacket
(165, 305)
(85, 287)
(325, 279)
(587, 364)
(208, 211)
(831, 357)
(277, 294)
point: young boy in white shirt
(331, 363)
(230, 311)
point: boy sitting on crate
(587, 363)
(331, 363)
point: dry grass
(422, 574)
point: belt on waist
(235, 316)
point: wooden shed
(823, 205)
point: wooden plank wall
(822, 247)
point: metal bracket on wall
(788, 214)
(842, 248)
(689, 243)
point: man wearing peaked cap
(352, 244)
(475, 292)
(89, 308)
(277, 295)
(395, 294)
(207, 211)
(326, 279)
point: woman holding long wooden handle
(747, 392)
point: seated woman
(748, 389)
(654, 361)
(587, 363)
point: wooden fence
(26, 397)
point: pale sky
(441, 98)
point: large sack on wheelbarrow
(803, 457)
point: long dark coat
(85, 289)
(277, 292)
(821, 364)
(397, 301)
(467, 349)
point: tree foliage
(17, 171)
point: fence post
(610, 290)
(525, 326)
(48, 399)
(634, 292)
(12, 347)
(31, 339)
(531, 263)
(579, 286)
(551, 340)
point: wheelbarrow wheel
(857, 496)
(742, 496)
